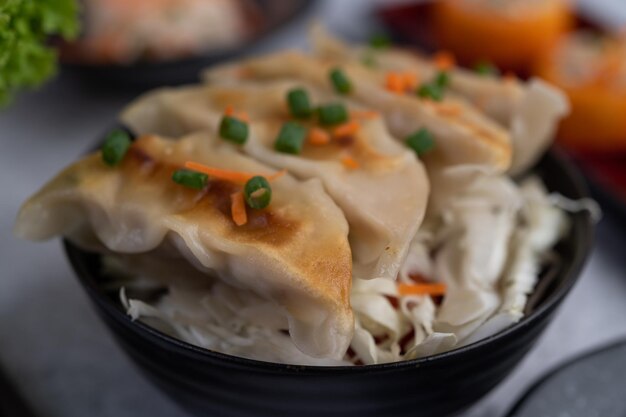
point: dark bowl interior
(144, 75)
(213, 384)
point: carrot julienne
(349, 162)
(237, 177)
(394, 83)
(401, 82)
(238, 208)
(364, 114)
(230, 111)
(448, 109)
(346, 129)
(432, 289)
(318, 137)
(410, 81)
(444, 60)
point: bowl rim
(581, 222)
(537, 384)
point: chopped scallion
(486, 68)
(191, 179)
(369, 60)
(443, 79)
(115, 147)
(234, 130)
(332, 114)
(430, 90)
(380, 41)
(421, 141)
(290, 139)
(299, 103)
(257, 192)
(340, 81)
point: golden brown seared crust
(362, 156)
(327, 265)
(295, 252)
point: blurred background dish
(148, 43)
(118, 32)
(591, 68)
(510, 34)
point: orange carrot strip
(223, 174)
(346, 129)
(410, 81)
(433, 289)
(394, 83)
(243, 116)
(349, 162)
(364, 114)
(318, 137)
(444, 60)
(238, 208)
(237, 177)
(276, 175)
(448, 109)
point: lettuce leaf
(26, 57)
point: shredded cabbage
(488, 242)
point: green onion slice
(380, 41)
(234, 130)
(431, 91)
(486, 68)
(115, 147)
(191, 179)
(421, 141)
(369, 60)
(332, 114)
(442, 80)
(340, 81)
(291, 138)
(299, 103)
(257, 192)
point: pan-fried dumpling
(383, 189)
(530, 110)
(294, 253)
(463, 134)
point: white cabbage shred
(487, 241)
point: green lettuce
(26, 26)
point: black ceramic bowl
(213, 384)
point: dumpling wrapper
(384, 199)
(478, 223)
(542, 227)
(531, 110)
(294, 253)
(463, 134)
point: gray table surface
(64, 360)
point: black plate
(144, 75)
(209, 383)
(591, 385)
